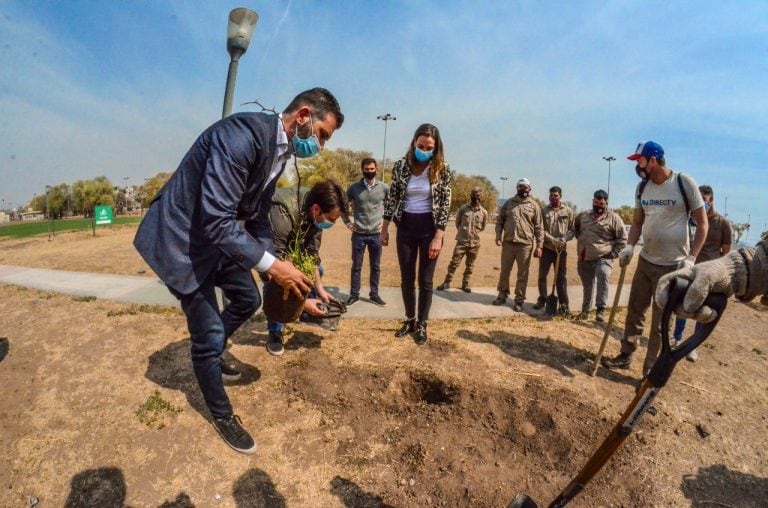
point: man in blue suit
(193, 241)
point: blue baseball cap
(648, 149)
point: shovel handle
(609, 324)
(662, 369)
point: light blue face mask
(421, 155)
(326, 224)
(707, 205)
(323, 224)
(306, 147)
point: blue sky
(541, 90)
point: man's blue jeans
(359, 243)
(209, 328)
(680, 328)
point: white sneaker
(692, 356)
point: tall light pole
(242, 23)
(609, 159)
(503, 180)
(386, 117)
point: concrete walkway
(450, 304)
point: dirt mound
(429, 436)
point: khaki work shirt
(558, 225)
(520, 221)
(469, 223)
(599, 237)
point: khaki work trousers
(641, 296)
(512, 253)
(459, 252)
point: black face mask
(599, 210)
(523, 193)
(369, 175)
(641, 172)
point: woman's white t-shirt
(418, 194)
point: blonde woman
(419, 201)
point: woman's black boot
(421, 333)
(408, 327)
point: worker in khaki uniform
(520, 232)
(601, 237)
(558, 229)
(471, 219)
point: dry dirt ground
(99, 407)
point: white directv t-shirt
(418, 194)
(665, 230)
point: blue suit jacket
(192, 223)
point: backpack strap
(641, 188)
(682, 191)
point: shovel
(610, 319)
(650, 387)
(550, 307)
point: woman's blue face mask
(421, 155)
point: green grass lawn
(32, 228)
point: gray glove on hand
(727, 275)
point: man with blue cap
(664, 201)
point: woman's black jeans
(414, 234)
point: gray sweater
(367, 205)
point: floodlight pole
(609, 159)
(242, 23)
(386, 117)
(503, 180)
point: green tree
(86, 194)
(625, 212)
(342, 165)
(151, 186)
(462, 186)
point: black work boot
(445, 285)
(409, 326)
(620, 361)
(465, 287)
(540, 303)
(421, 333)
(600, 315)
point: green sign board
(103, 214)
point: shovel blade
(522, 501)
(550, 307)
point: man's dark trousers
(359, 243)
(209, 329)
(548, 257)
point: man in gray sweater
(367, 199)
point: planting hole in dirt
(430, 389)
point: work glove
(625, 256)
(560, 244)
(687, 262)
(727, 275)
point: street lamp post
(242, 23)
(609, 159)
(503, 180)
(386, 117)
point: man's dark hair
(367, 161)
(706, 189)
(661, 161)
(328, 195)
(557, 189)
(601, 194)
(321, 102)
